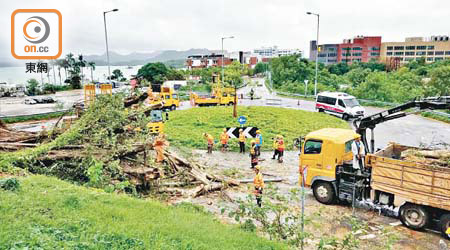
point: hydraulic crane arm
(361, 125)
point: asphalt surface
(411, 130)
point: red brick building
(205, 61)
(359, 49)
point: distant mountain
(136, 58)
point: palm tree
(92, 66)
(60, 64)
(81, 63)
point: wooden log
(134, 100)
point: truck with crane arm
(415, 191)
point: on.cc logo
(36, 34)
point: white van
(339, 104)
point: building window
(345, 48)
(389, 47)
(346, 54)
(322, 55)
(409, 53)
(331, 49)
(410, 47)
(430, 47)
(346, 60)
(357, 48)
(374, 48)
(331, 60)
(409, 58)
(399, 53)
(421, 47)
(447, 53)
(430, 59)
(420, 53)
(439, 53)
(389, 53)
(400, 58)
(332, 54)
(357, 54)
(357, 60)
(374, 54)
(438, 58)
(399, 48)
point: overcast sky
(149, 25)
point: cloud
(142, 25)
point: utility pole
(317, 50)
(106, 39)
(223, 57)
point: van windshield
(351, 102)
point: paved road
(411, 130)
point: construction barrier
(89, 93)
(273, 101)
(106, 89)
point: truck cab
(167, 96)
(321, 154)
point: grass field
(185, 127)
(47, 213)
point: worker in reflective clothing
(258, 182)
(159, 145)
(280, 148)
(253, 156)
(224, 137)
(275, 147)
(358, 154)
(259, 141)
(210, 141)
(241, 141)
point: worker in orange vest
(280, 148)
(210, 140)
(224, 137)
(241, 141)
(258, 182)
(253, 155)
(159, 145)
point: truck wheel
(173, 107)
(324, 192)
(321, 110)
(444, 225)
(414, 216)
(345, 117)
(230, 103)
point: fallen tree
(110, 145)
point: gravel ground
(326, 224)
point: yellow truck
(168, 97)
(219, 96)
(418, 192)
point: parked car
(39, 100)
(339, 104)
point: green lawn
(185, 127)
(47, 213)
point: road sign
(249, 132)
(242, 119)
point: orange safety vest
(281, 145)
(241, 137)
(258, 181)
(224, 138)
(210, 139)
(252, 150)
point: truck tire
(173, 107)
(321, 110)
(345, 117)
(324, 192)
(444, 224)
(414, 216)
(230, 103)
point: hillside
(47, 213)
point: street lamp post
(223, 74)
(317, 50)
(106, 39)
